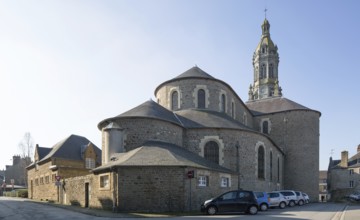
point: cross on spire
(265, 11)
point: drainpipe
(114, 188)
(237, 163)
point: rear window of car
(259, 194)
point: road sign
(57, 183)
(58, 178)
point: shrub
(23, 193)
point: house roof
(70, 148)
(156, 153)
(273, 105)
(42, 151)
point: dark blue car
(231, 202)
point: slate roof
(194, 72)
(42, 151)
(70, 148)
(148, 109)
(274, 104)
(198, 118)
(189, 118)
(156, 153)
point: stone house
(17, 171)
(344, 175)
(199, 126)
(72, 156)
(323, 186)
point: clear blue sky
(66, 65)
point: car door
(227, 202)
(244, 198)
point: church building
(199, 139)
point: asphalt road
(21, 209)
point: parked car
(276, 199)
(306, 197)
(355, 196)
(262, 200)
(300, 198)
(231, 202)
(290, 196)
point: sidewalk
(101, 213)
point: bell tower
(265, 64)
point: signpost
(57, 182)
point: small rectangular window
(89, 163)
(104, 182)
(225, 182)
(203, 181)
(41, 180)
(351, 184)
(47, 179)
(351, 171)
(36, 181)
(53, 177)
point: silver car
(300, 198)
(290, 196)
(276, 199)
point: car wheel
(282, 205)
(253, 210)
(301, 202)
(212, 210)
(263, 207)
(291, 203)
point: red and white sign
(58, 178)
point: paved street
(19, 209)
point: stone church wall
(139, 130)
(187, 87)
(297, 132)
(164, 189)
(247, 142)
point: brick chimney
(358, 149)
(344, 159)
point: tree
(26, 146)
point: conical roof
(148, 109)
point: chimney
(344, 159)
(358, 149)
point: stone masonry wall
(297, 132)
(139, 130)
(166, 189)
(247, 142)
(186, 92)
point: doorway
(86, 195)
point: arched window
(174, 100)
(223, 103)
(201, 98)
(278, 170)
(261, 163)
(271, 166)
(271, 71)
(265, 127)
(211, 151)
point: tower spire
(265, 63)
